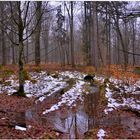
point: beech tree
(37, 32)
(86, 33)
(19, 16)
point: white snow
(101, 133)
(69, 97)
(138, 83)
(74, 74)
(20, 128)
(44, 85)
(99, 78)
(41, 98)
(130, 102)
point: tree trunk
(98, 44)
(109, 42)
(3, 37)
(21, 51)
(21, 70)
(126, 40)
(122, 43)
(72, 36)
(27, 47)
(133, 41)
(3, 49)
(13, 50)
(37, 33)
(94, 47)
(46, 44)
(118, 47)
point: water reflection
(73, 124)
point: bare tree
(19, 16)
(3, 33)
(37, 32)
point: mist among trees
(68, 57)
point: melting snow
(44, 85)
(101, 134)
(69, 97)
(20, 128)
(75, 74)
(129, 102)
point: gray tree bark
(37, 33)
(94, 46)
(72, 36)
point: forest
(69, 70)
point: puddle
(74, 123)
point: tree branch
(129, 52)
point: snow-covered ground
(69, 97)
(101, 133)
(42, 85)
(20, 128)
(126, 94)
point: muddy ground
(83, 119)
(121, 124)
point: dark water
(74, 123)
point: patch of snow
(101, 133)
(99, 78)
(54, 107)
(29, 95)
(137, 84)
(20, 128)
(74, 74)
(127, 89)
(29, 126)
(41, 98)
(108, 110)
(44, 84)
(3, 118)
(70, 97)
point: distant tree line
(69, 33)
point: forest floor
(61, 104)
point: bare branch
(11, 39)
(11, 8)
(130, 52)
(26, 12)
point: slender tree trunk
(98, 44)
(27, 47)
(133, 41)
(3, 37)
(118, 46)
(13, 50)
(109, 42)
(21, 70)
(72, 36)
(37, 33)
(46, 43)
(126, 43)
(3, 48)
(94, 47)
(21, 52)
(122, 43)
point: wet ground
(81, 119)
